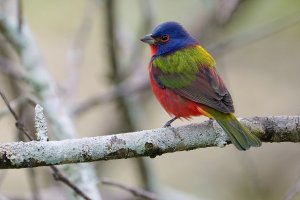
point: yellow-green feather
(239, 135)
(183, 63)
(184, 60)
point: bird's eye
(164, 38)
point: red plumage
(185, 82)
(174, 104)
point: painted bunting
(184, 79)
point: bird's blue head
(168, 37)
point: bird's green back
(180, 67)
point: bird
(184, 79)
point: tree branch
(76, 52)
(40, 121)
(143, 143)
(44, 87)
(135, 191)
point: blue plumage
(184, 80)
(179, 38)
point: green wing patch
(191, 73)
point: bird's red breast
(185, 82)
(174, 104)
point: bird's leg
(168, 123)
(210, 120)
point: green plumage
(182, 66)
(191, 73)
(239, 135)
(184, 80)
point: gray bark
(40, 81)
(142, 143)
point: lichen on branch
(142, 143)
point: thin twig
(135, 191)
(14, 104)
(134, 62)
(20, 15)
(44, 87)
(11, 69)
(217, 49)
(33, 184)
(123, 89)
(56, 172)
(24, 115)
(126, 122)
(19, 125)
(3, 173)
(125, 103)
(76, 51)
(9, 107)
(17, 102)
(225, 9)
(62, 178)
(245, 38)
(111, 44)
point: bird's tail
(239, 135)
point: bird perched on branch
(184, 79)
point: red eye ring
(165, 38)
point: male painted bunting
(184, 79)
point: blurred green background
(256, 44)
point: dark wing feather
(206, 87)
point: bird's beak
(148, 39)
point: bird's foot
(168, 123)
(210, 121)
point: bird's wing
(204, 87)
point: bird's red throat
(152, 50)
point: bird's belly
(174, 104)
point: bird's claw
(210, 121)
(168, 126)
(168, 123)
